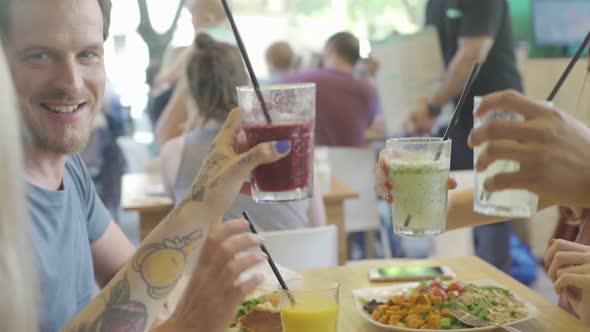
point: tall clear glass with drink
(292, 110)
(310, 305)
(419, 173)
(506, 203)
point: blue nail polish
(283, 146)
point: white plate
(384, 294)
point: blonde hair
(19, 305)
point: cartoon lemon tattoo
(162, 264)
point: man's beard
(71, 141)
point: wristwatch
(434, 111)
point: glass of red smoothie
(292, 110)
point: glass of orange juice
(310, 305)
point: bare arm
(471, 49)
(175, 115)
(110, 253)
(170, 159)
(135, 295)
(175, 70)
(460, 211)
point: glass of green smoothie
(419, 173)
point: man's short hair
(280, 56)
(5, 22)
(346, 45)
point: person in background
(367, 69)
(214, 72)
(18, 309)
(55, 50)
(280, 60)
(345, 106)
(471, 31)
(208, 17)
(103, 156)
(555, 170)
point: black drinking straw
(458, 109)
(271, 262)
(460, 104)
(569, 68)
(242, 48)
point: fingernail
(262, 256)
(260, 238)
(388, 185)
(283, 146)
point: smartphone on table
(410, 273)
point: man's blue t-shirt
(65, 223)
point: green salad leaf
(247, 306)
(495, 288)
(445, 323)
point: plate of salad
(424, 306)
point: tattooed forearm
(120, 313)
(246, 159)
(214, 159)
(229, 123)
(161, 264)
(215, 182)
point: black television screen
(561, 22)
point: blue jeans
(492, 244)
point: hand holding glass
(292, 110)
(419, 174)
(506, 203)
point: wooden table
(143, 193)
(552, 318)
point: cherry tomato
(451, 295)
(456, 286)
(436, 284)
(440, 293)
